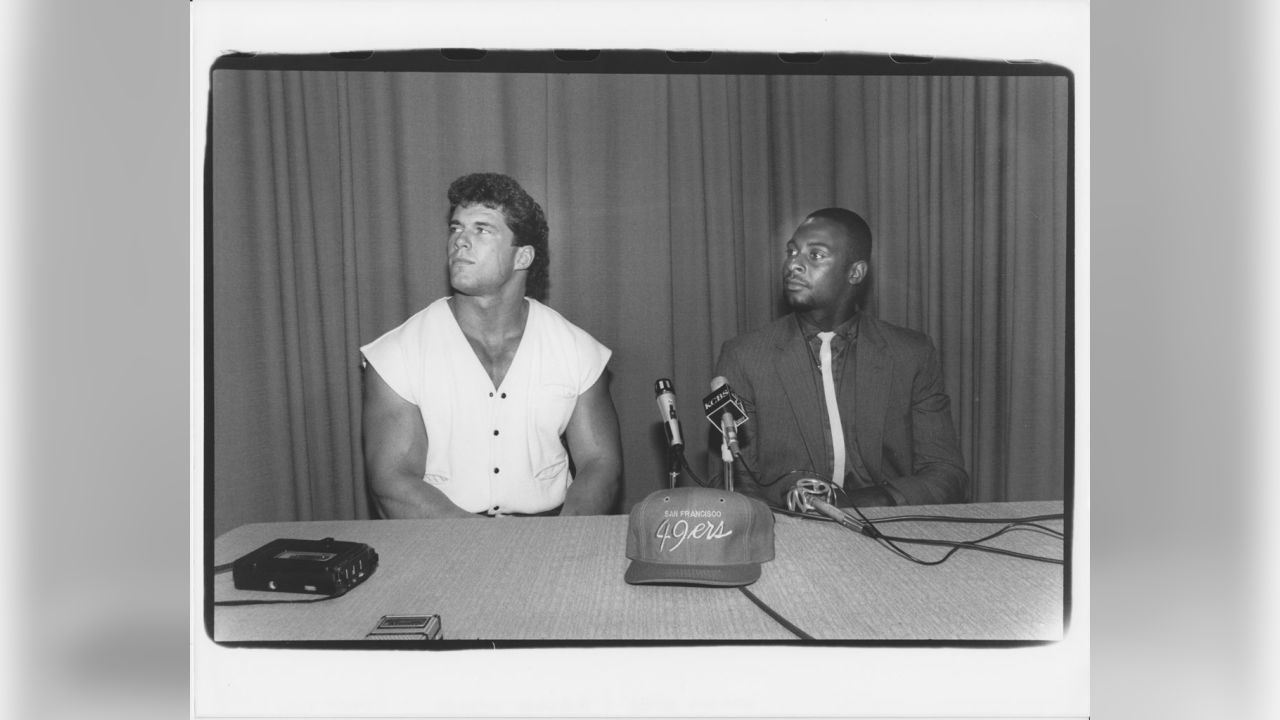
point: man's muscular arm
(395, 455)
(597, 452)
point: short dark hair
(523, 215)
(854, 226)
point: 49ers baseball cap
(698, 536)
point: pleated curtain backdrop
(669, 200)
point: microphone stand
(726, 454)
(675, 463)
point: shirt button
(495, 432)
(504, 396)
(490, 394)
(495, 471)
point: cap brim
(647, 573)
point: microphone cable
(225, 603)
(775, 615)
(737, 454)
(811, 490)
(868, 527)
(716, 480)
(813, 486)
(1031, 523)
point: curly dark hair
(523, 215)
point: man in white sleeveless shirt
(466, 403)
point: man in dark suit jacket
(899, 443)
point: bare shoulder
(382, 404)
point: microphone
(729, 429)
(724, 410)
(667, 409)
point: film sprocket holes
(320, 567)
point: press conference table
(561, 579)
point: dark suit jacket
(899, 414)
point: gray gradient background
(101, 144)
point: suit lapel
(872, 377)
(794, 367)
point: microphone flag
(723, 400)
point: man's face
(482, 252)
(819, 272)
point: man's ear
(524, 257)
(857, 272)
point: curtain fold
(669, 200)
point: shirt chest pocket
(553, 405)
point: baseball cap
(698, 536)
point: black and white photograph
(685, 358)
(536, 350)
(444, 296)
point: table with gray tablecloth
(561, 579)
